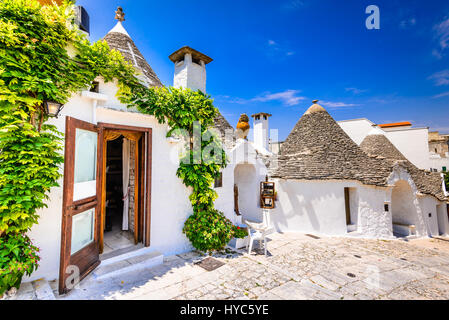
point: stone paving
(297, 267)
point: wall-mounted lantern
(267, 194)
(52, 108)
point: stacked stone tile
(318, 149)
(427, 182)
(122, 42)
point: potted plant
(240, 237)
(18, 256)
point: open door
(81, 203)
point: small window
(197, 61)
(265, 117)
(218, 183)
(444, 169)
(257, 117)
(94, 87)
(386, 207)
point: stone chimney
(190, 69)
(261, 130)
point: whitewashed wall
(247, 171)
(437, 162)
(429, 210)
(310, 206)
(356, 129)
(190, 75)
(413, 144)
(443, 221)
(373, 220)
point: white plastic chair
(259, 231)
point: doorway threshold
(119, 252)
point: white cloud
(276, 48)
(288, 97)
(293, 4)
(442, 34)
(331, 104)
(355, 90)
(440, 78)
(404, 24)
(441, 95)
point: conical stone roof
(319, 149)
(119, 39)
(377, 144)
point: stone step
(43, 290)
(352, 227)
(128, 262)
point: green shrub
(240, 232)
(208, 230)
(18, 257)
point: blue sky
(277, 56)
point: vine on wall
(185, 111)
(35, 66)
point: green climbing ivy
(191, 113)
(35, 65)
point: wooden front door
(81, 203)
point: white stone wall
(374, 221)
(310, 206)
(428, 206)
(319, 207)
(190, 75)
(413, 144)
(438, 162)
(261, 132)
(246, 170)
(356, 129)
(443, 222)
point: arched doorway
(247, 191)
(403, 209)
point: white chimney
(261, 130)
(190, 69)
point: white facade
(436, 162)
(189, 74)
(261, 130)
(356, 129)
(411, 142)
(319, 207)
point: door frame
(145, 165)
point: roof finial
(119, 14)
(315, 101)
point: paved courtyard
(298, 267)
